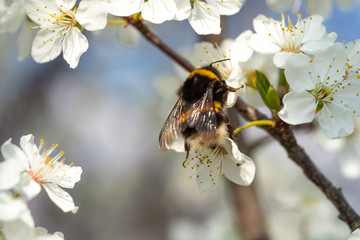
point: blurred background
(106, 115)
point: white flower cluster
(203, 16)
(23, 174)
(57, 24)
(323, 75)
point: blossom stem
(113, 22)
(284, 135)
(154, 39)
(254, 123)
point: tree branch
(284, 135)
(154, 39)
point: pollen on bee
(200, 181)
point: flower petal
(204, 21)
(11, 151)
(61, 198)
(315, 30)
(349, 97)
(42, 234)
(28, 146)
(27, 187)
(336, 121)
(238, 167)
(91, 15)
(335, 56)
(183, 9)
(123, 8)
(158, 11)
(226, 7)
(68, 4)
(297, 69)
(20, 228)
(240, 50)
(10, 172)
(10, 208)
(298, 107)
(235, 80)
(69, 176)
(74, 45)
(209, 174)
(43, 49)
(280, 58)
(262, 45)
(320, 45)
(25, 40)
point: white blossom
(321, 88)
(155, 11)
(211, 165)
(204, 16)
(11, 208)
(60, 26)
(285, 39)
(37, 169)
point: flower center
(323, 94)
(289, 35)
(44, 167)
(67, 19)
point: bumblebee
(199, 113)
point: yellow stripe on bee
(203, 72)
(217, 106)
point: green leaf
(262, 84)
(272, 99)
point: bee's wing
(171, 128)
(203, 115)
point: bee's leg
(187, 149)
(231, 89)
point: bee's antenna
(222, 60)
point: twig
(151, 36)
(284, 135)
